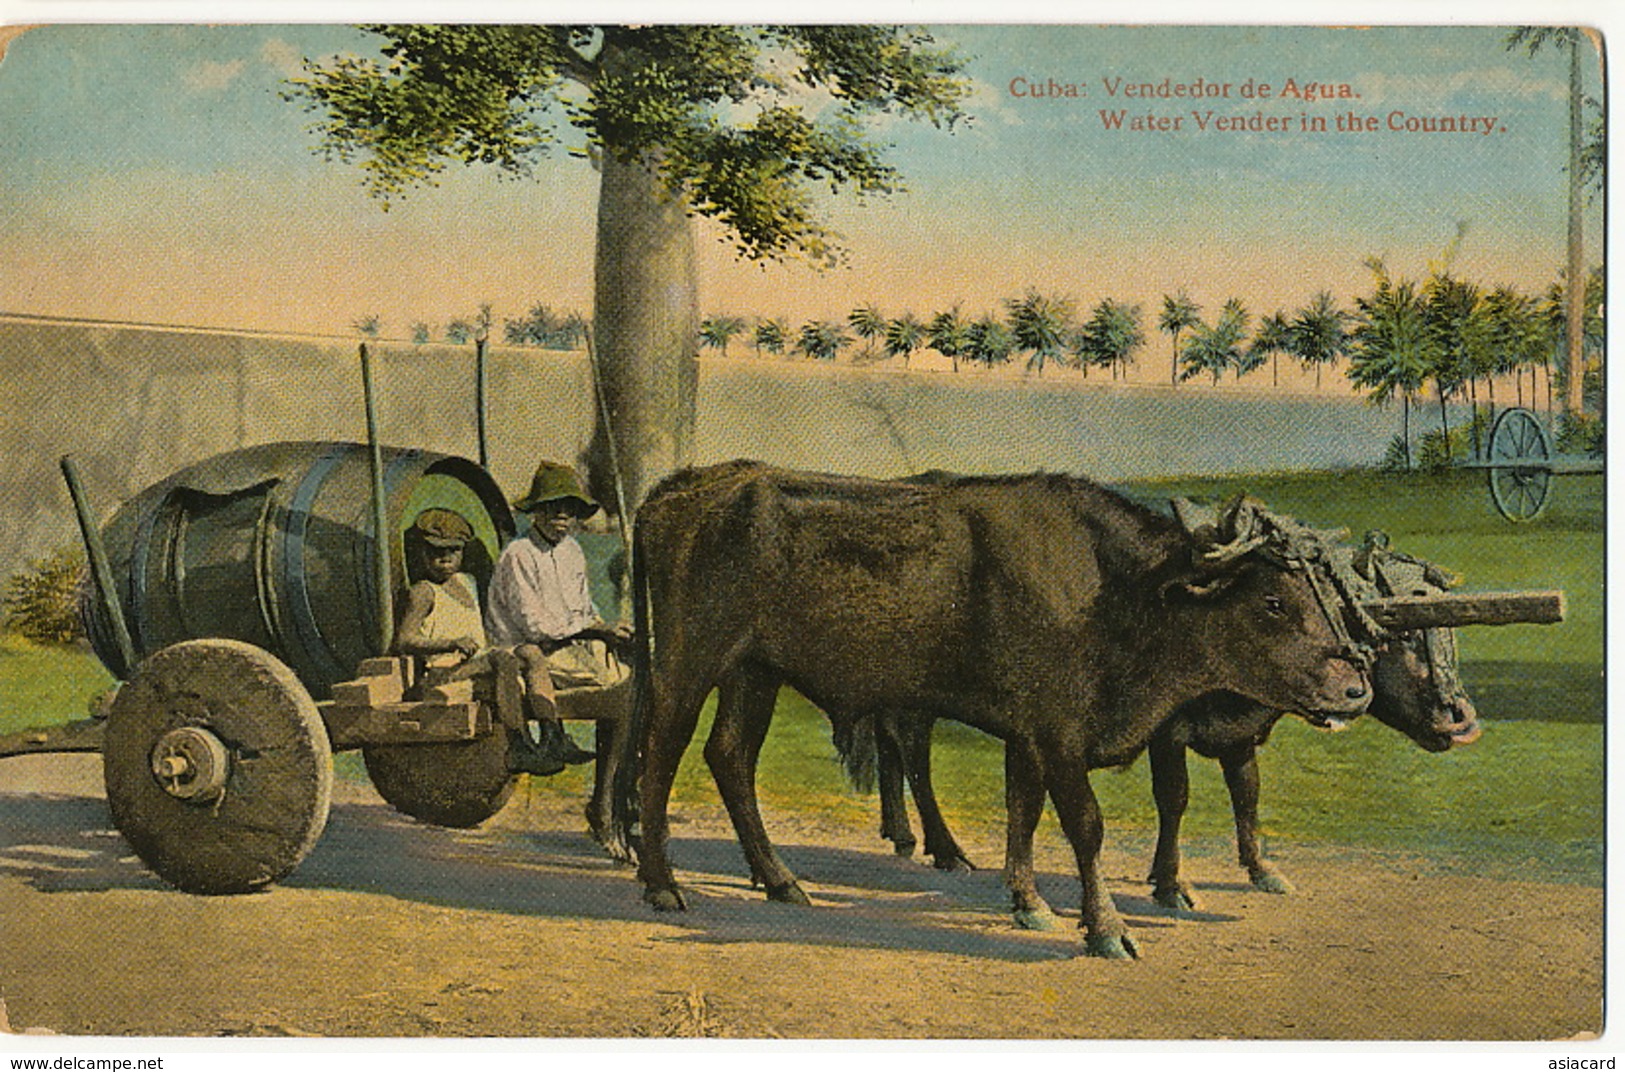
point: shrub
(41, 602)
(1579, 433)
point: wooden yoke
(1405, 613)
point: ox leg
(889, 779)
(1241, 776)
(1170, 786)
(744, 712)
(1024, 803)
(600, 808)
(671, 723)
(945, 853)
(1105, 933)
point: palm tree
(1555, 309)
(1178, 314)
(1506, 335)
(867, 324)
(903, 336)
(1271, 341)
(1532, 39)
(1214, 349)
(1448, 307)
(989, 341)
(821, 339)
(368, 325)
(1110, 336)
(948, 335)
(770, 335)
(1318, 336)
(1038, 324)
(715, 331)
(1389, 345)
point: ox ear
(1198, 520)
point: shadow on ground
(65, 843)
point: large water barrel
(274, 545)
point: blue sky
(153, 173)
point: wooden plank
(449, 692)
(350, 726)
(612, 704)
(398, 666)
(368, 691)
(1466, 608)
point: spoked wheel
(458, 784)
(1520, 469)
(217, 765)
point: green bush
(1430, 452)
(1579, 433)
(1395, 459)
(42, 601)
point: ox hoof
(789, 893)
(1272, 882)
(1175, 898)
(952, 862)
(1111, 947)
(665, 900)
(1036, 919)
(904, 848)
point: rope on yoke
(1327, 564)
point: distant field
(1528, 794)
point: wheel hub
(191, 764)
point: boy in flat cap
(539, 600)
(441, 621)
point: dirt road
(524, 928)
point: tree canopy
(743, 122)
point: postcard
(1022, 531)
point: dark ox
(1043, 609)
(1414, 689)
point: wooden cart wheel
(458, 784)
(1520, 470)
(217, 765)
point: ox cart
(1520, 465)
(245, 605)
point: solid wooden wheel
(217, 766)
(1520, 469)
(458, 783)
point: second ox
(1416, 690)
(1043, 609)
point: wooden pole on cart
(382, 578)
(101, 572)
(480, 397)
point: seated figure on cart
(540, 609)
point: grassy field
(1527, 797)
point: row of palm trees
(1400, 338)
(1458, 336)
(1042, 327)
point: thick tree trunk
(1574, 395)
(646, 314)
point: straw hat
(552, 482)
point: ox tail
(622, 840)
(855, 744)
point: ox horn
(1241, 530)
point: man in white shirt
(539, 604)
